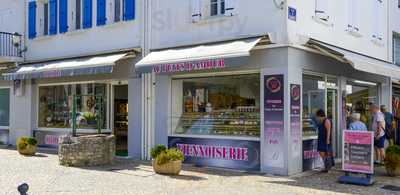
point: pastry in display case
(230, 122)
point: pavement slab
(46, 177)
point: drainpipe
(148, 88)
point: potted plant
(166, 161)
(392, 160)
(26, 145)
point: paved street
(45, 176)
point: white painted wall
(12, 16)
(171, 22)
(98, 39)
(334, 32)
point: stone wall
(91, 150)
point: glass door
(332, 114)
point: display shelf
(222, 122)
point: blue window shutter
(32, 20)
(101, 12)
(87, 13)
(63, 16)
(129, 9)
(53, 17)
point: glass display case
(217, 106)
(222, 122)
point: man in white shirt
(378, 126)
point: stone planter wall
(92, 150)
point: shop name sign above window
(190, 66)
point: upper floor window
(354, 16)
(217, 7)
(49, 17)
(322, 9)
(378, 19)
(396, 49)
(203, 9)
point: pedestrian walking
(389, 123)
(378, 126)
(324, 140)
(356, 124)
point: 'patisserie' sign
(234, 154)
(190, 66)
(214, 152)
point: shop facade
(255, 111)
(97, 86)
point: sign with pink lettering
(358, 151)
(190, 66)
(295, 130)
(233, 154)
(274, 120)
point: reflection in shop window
(360, 95)
(55, 105)
(4, 107)
(226, 105)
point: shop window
(4, 107)
(55, 105)
(359, 96)
(217, 106)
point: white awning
(201, 57)
(357, 61)
(71, 67)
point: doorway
(121, 119)
(332, 114)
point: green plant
(24, 142)
(89, 116)
(169, 155)
(175, 154)
(392, 159)
(157, 150)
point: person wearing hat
(356, 124)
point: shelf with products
(309, 129)
(222, 122)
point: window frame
(396, 36)
(220, 8)
(9, 103)
(108, 106)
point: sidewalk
(45, 176)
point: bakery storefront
(96, 86)
(209, 102)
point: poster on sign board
(274, 120)
(295, 130)
(358, 151)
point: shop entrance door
(332, 114)
(120, 100)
